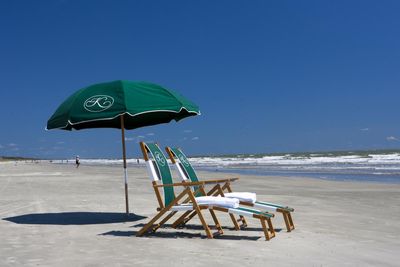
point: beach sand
(58, 215)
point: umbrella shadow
(74, 218)
(176, 235)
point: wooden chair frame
(287, 216)
(226, 187)
(151, 226)
(264, 218)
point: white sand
(57, 215)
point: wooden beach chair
(187, 173)
(187, 200)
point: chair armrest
(180, 184)
(218, 181)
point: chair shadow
(200, 227)
(175, 235)
(74, 218)
(258, 229)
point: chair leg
(151, 222)
(188, 218)
(162, 212)
(184, 219)
(291, 221)
(233, 219)
(268, 232)
(228, 188)
(203, 222)
(181, 219)
(217, 224)
(264, 227)
(288, 221)
(220, 192)
(243, 220)
(197, 211)
(271, 227)
(164, 220)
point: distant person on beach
(77, 161)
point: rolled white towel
(243, 196)
(218, 201)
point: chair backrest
(185, 170)
(158, 168)
(182, 164)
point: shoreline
(261, 171)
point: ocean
(366, 166)
(357, 166)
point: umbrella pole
(124, 158)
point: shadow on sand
(175, 235)
(200, 227)
(178, 233)
(74, 218)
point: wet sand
(57, 215)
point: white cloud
(195, 138)
(1, 146)
(60, 143)
(150, 134)
(392, 138)
(364, 129)
(137, 138)
(12, 145)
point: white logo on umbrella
(98, 103)
(159, 158)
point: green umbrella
(122, 105)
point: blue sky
(269, 76)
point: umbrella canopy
(140, 103)
(122, 105)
